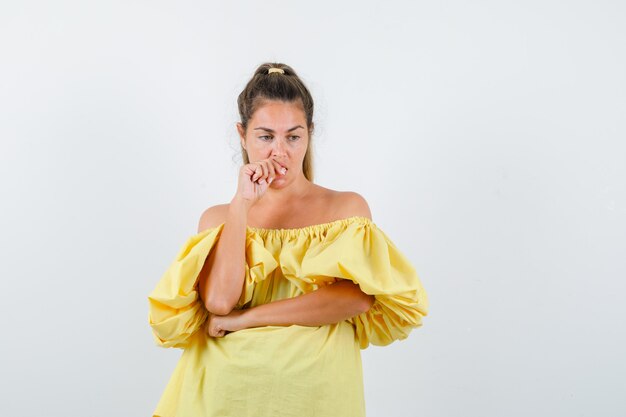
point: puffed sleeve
(364, 254)
(260, 264)
(175, 308)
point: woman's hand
(255, 178)
(218, 326)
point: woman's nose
(278, 151)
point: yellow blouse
(284, 370)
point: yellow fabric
(284, 370)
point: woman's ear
(242, 135)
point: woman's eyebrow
(272, 131)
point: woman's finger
(264, 163)
(262, 170)
(275, 168)
(271, 170)
(258, 171)
(279, 167)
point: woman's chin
(278, 182)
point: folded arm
(329, 304)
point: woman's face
(277, 128)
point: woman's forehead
(279, 116)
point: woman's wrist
(240, 204)
(248, 318)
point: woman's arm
(221, 278)
(329, 304)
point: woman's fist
(220, 326)
(256, 177)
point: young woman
(274, 297)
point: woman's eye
(292, 138)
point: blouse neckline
(311, 228)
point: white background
(487, 137)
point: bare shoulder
(212, 217)
(353, 204)
(341, 204)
